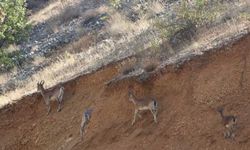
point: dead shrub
(127, 66)
(80, 45)
(150, 67)
(150, 64)
(69, 13)
(128, 70)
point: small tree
(13, 22)
(13, 29)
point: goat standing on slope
(143, 104)
(229, 123)
(56, 94)
(85, 120)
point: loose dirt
(187, 96)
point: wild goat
(229, 123)
(143, 104)
(85, 120)
(56, 94)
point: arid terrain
(188, 97)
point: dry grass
(56, 10)
(156, 7)
(68, 13)
(51, 10)
(80, 45)
(65, 15)
(119, 24)
(38, 60)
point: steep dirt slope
(188, 98)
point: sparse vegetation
(188, 15)
(169, 29)
(201, 13)
(181, 26)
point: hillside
(188, 97)
(192, 56)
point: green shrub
(188, 16)
(168, 29)
(10, 60)
(13, 27)
(115, 3)
(6, 63)
(201, 13)
(245, 16)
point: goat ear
(129, 91)
(42, 82)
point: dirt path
(187, 118)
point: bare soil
(187, 96)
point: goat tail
(155, 104)
(220, 111)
